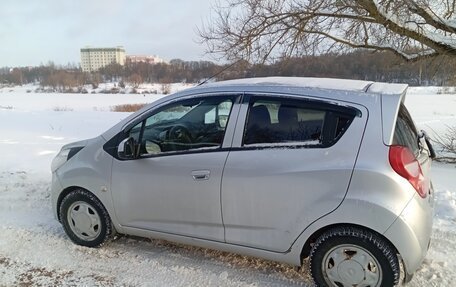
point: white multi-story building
(92, 59)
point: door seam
(224, 165)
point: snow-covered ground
(34, 251)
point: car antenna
(218, 73)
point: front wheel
(349, 256)
(84, 219)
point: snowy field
(34, 251)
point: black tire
(101, 228)
(351, 240)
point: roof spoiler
(390, 104)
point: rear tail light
(405, 164)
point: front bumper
(56, 189)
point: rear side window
(284, 121)
(405, 133)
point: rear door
(290, 164)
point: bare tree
(261, 30)
(447, 143)
(136, 80)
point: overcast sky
(35, 32)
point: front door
(173, 185)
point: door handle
(201, 174)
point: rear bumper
(411, 232)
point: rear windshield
(405, 133)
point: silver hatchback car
(279, 168)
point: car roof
(315, 83)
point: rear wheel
(85, 219)
(347, 256)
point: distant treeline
(361, 65)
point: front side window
(186, 125)
(284, 121)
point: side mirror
(127, 149)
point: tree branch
(430, 17)
(264, 29)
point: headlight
(62, 157)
